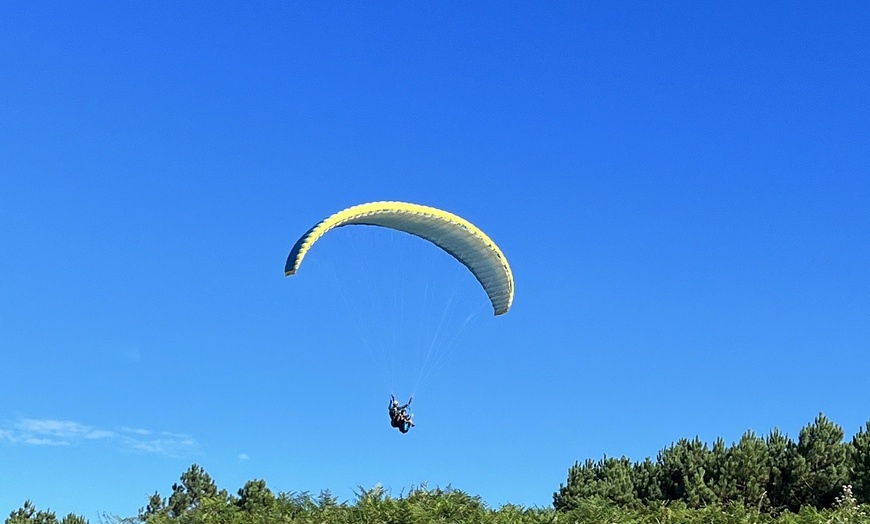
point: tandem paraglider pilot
(399, 417)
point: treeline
(772, 480)
(28, 514)
(771, 474)
(196, 500)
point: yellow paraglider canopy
(455, 235)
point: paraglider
(458, 237)
(451, 233)
(399, 417)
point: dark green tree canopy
(772, 474)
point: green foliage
(257, 504)
(821, 468)
(609, 479)
(686, 470)
(197, 489)
(772, 475)
(781, 453)
(156, 505)
(847, 508)
(616, 481)
(580, 486)
(255, 497)
(648, 482)
(27, 514)
(860, 469)
(745, 472)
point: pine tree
(860, 465)
(747, 472)
(615, 481)
(822, 469)
(610, 479)
(156, 505)
(722, 482)
(255, 497)
(781, 455)
(684, 468)
(28, 514)
(196, 486)
(580, 485)
(647, 482)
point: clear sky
(682, 191)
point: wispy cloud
(44, 442)
(49, 432)
(163, 443)
(61, 429)
(243, 457)
(138, 431)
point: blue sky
(681, 190)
